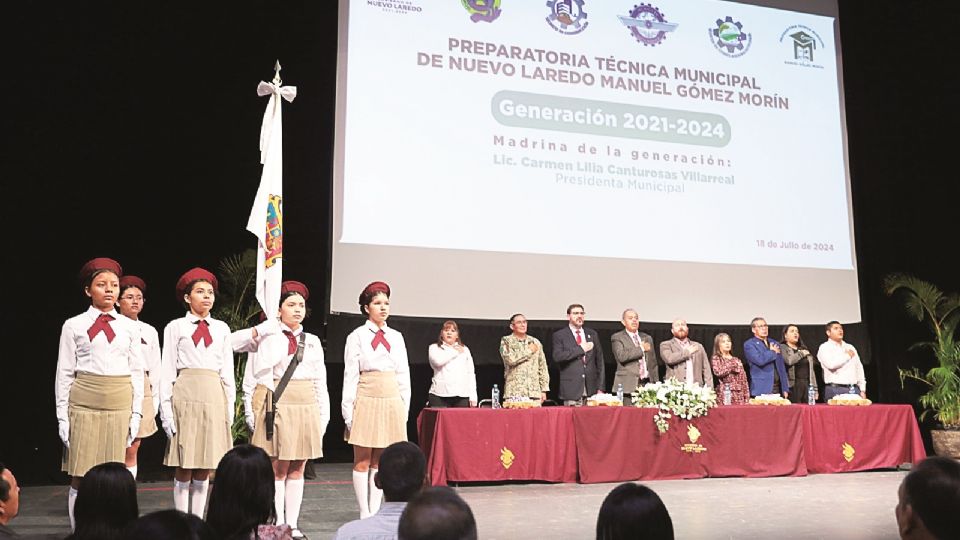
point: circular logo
(647, 24)
(567, 16)
(729, 38)
(482, 10)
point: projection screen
(685, 157)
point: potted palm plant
(237, 306)
(940, 312)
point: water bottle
(811, 395)
(495, 397)
(620, 392)
(853, 389)
(727, 394)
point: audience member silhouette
(241, 504)
(106, 503)
(929, 500)
(437, 513)
(633, 511)
(169, 525)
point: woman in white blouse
(303, 409)
(130, 304)
(197, 391)
(376, 393)
(454, 380)
(99, 380)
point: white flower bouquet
(674, 398)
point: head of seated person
(242, 497)
(169, 525)
(9, 496)
(402, 472)
(106, 503)
(437, 513)
(633, 511)
(929, 499)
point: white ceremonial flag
(266, 216)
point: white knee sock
(376, 494)
(198, 497)
(181, 496)
(294, 497)
(360, 488)
(71, 500)
(133, 471)
(278, 498)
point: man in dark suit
(633, 351)
(578, 357)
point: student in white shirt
(376, 393)
(454, 380)
(197, 391)
(99, 379)
(130, 304)
(303, 410)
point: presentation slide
(593, 145)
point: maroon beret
(192, 275)
(133, 281)
(295, 287)
(99, 264)
(372, 290)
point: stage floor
(849, 506)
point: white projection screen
(684, 157)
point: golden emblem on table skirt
(693, 434)
(506, 457)
(848, 452)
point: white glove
(267, 328)
(134, 428)
(250, 422)
(64, 428)
(169, 428)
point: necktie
(202, 332)
(579, 341)
(291, 342)
(102, 324)
(636, 340)
(380, 339)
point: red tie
(380, 339)
(202, 332)
(291, 342)
(579, 341)
(102, 324)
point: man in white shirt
(842, 368)
(402, 474)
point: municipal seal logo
(482, 10)
(506, 457)
(648, 25)
(729, 38)
(567, 16)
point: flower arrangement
(673, 397)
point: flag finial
(276, 74)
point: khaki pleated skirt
(99, 411)
(200, 413)
(379, 417)
(148, 424)
(296, 426)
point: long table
(612, 444)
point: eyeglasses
(130, 297)
(760, 326)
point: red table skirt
(615, 444)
